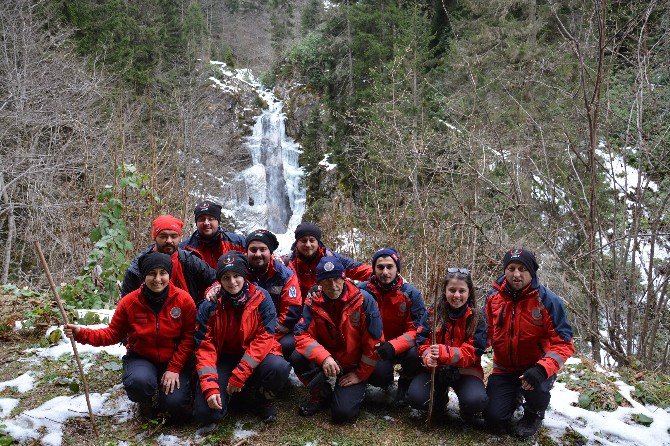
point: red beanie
(167, 222)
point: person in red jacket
(460, 340)
(402, 308)
(158, 321)
(189, 272)
(335, 338)
(308, 250)
(277, 279)
(239, 359)
(531, 338)
(209, 240)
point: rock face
(299, 103)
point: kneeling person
(156, 358)
(402, 308)
(239, 358)
(335, 338)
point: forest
(458, 128)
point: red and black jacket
(352, 342)
(531, 328)
(210, 250)
(166, 337)
(456, 348)
(189, 272)
(282, 284)
(257, 329)
(306, 269)
(401, 308)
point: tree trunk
(11, 231)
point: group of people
(216, 322)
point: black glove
(448, 374)
(535, 376)
(386, 351)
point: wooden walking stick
(40, 254)
(433, 341)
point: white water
(268, 194)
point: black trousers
(409, 362)
(469, 390)
(141, 380)
(504, 391)
(270, 376)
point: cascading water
(269, 194)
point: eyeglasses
(459, 270)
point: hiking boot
(264, 407)
(401, 393)
(145, 410)
(528, 425)
(319, 399)
(473, 419)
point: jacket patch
(292, 292)
(355, 318)
(402, 307)
(175, 312)
(537, 314)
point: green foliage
(107, 262)
(5, 438)
(650, 388)
(138, 40)
(597, 391)
(643, 419)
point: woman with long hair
(460, 339)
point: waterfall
(268, 194)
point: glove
(386, 351)
(535, 375)
(449, 374)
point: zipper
(158, 350)
(511, 334)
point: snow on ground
(240, 433)
(64, 346)
(326, 164)
(22, 383)
(46, 421)
(7, 405)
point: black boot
(264, 407)
(401, 394)
(319, 399)
(528, 425)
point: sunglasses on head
(459, 270)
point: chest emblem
(536, 313)
(175, 312)
(355, 318)
(402, 307)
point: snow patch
(22, 383)
(327, 165)
(240, 433)
(7, 405)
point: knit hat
(386, 252)
(263, 236)
(232, 261)
(154, 259)
(523, 256)
(329, 266)
(307, 228)
(166, 222)
(207, 208)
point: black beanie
(154, 259)
(523, 256)
(207, 208)
(307, 228)
(232, 261)
(263, 236)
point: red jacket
(531, 329)
(306, 270)
(455, 348)
(352, 342)
(211, 250)
(166, 337)
(282, 284)
(401, 308)
(257, 330)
